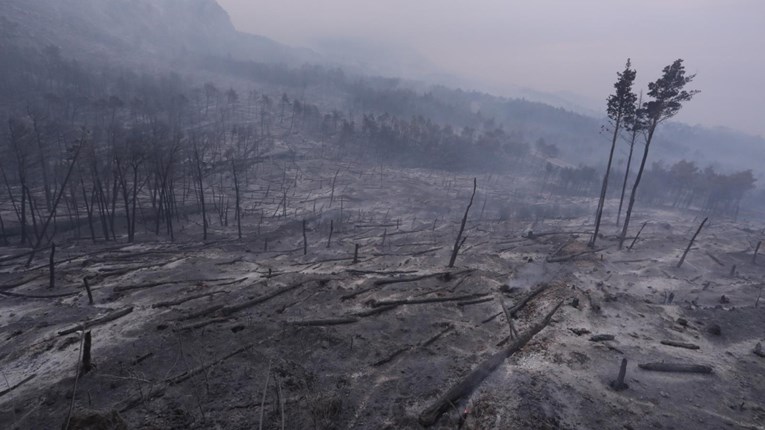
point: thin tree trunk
(23, 219)
(633, 194)
(201, 192)
(52, 266)
(55, 203)
(89, 210)
(458, 243)
(305, 241)
(626, 178)
(2, 231)
(604, 187)
(131, 233)
(754, 257)
(690, 244)
(238, 207)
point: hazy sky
(551, 45)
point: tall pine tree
(621, 110)
(667, 97)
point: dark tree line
(684, 185)
(107, 155)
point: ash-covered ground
(274, 332)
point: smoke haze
(571, 49)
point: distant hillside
(141, 34)
(130, 30)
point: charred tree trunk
(131, 232)
(238, 200)
(626, 175)
(634, 241)
(460, 241)
(55, 203)
(633, 194)
(756, 250)
(2, 231)
(89, 210)
(604, 187)
(198, 163)
(52, 266)
(690, 244)
(305, 241)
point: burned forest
(203, 228)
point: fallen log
(467, 385)
(169, 303)
(137, 399)
(679, 344)
(676, 367)
(98, 321)
(381, 282)
(375, 311)
(20, 282)
(377, 304)
(491, 318)
(572, 256)
(421, 277)
(228, 310)
(559, 248)
(121, 289)
(391, 357)
(715, 259)
(38, 296)
(424, 344)
(324, 322)
(378, 272)
(22, 255)
(201, 324)
(204, 312)
(18, 384)
(518, 306)
(475, 302)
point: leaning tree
(621, 110)
(667, 97)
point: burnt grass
(233, 333)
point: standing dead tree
(634, 241)
(55, 203)
(331, 230)
(305, 241)
(690, 244)
(332, 195)
(460, 240)
(52, 265)
(198, 173)
(238, 200)
(756, 250)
